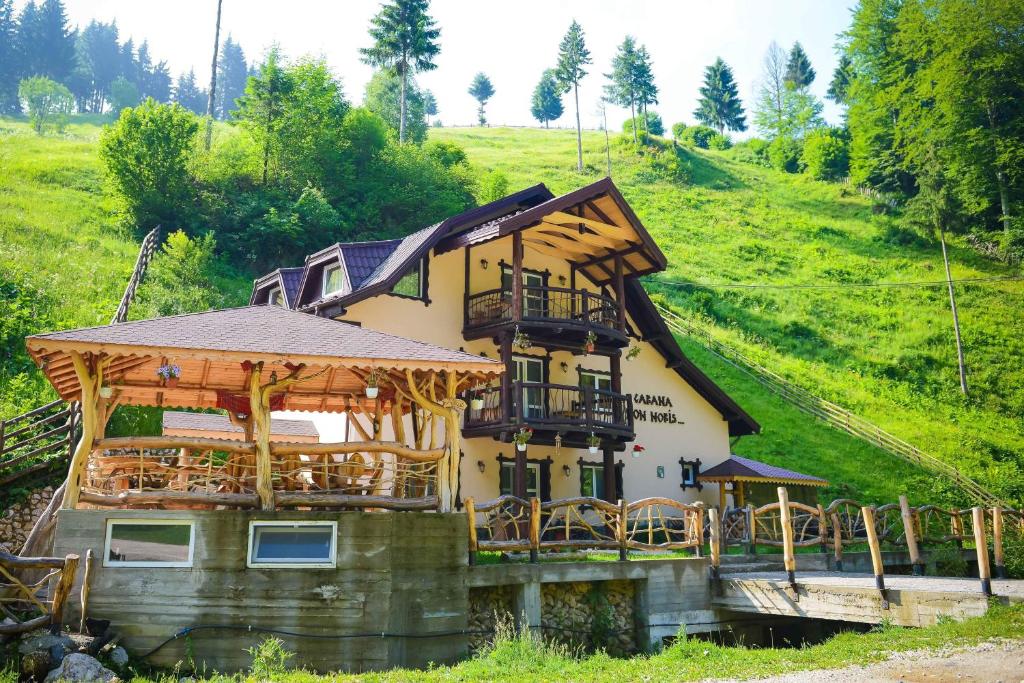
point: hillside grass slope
(886, 353)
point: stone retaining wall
(487, 607)
(17, 520)
(596, 615)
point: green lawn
(886, 353)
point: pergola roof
(215, 349)
(737, 468)
(211, 422)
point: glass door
(528, 370)
(602, 403)
(534, 298)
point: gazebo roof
(214, 351)
(211, 422)
(737, 468)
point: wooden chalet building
(550, 287)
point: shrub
(269, 659)
(947, 560)
(698, 136)
(678, 129)
(123, 93)
(493, 186)
(445, 153)
(654, 124)
(667, 164)
(147, 155)
(826, 154)
(48, 103)
(784, 154)
(753, 151)
(720, 142)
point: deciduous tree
(384, 98)
(48, 103)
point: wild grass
(884, 352)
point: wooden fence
(509, 523)
(39, 440)
(24, 601)
(834, 415)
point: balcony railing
(557, 407)
(567, 307)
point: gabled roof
(213, 422)
(287, 279)
(737, 468)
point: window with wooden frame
(592, 479)
(534, 294)
(538, 477)
(413, 284)
(690, 471)
(295, 544)
(275, 297)
(148, 543)
(333, 279)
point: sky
(511, 42)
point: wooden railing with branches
(40, 440)
(25, 602)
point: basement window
(281, 544)
(148, 543)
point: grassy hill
(886, 353)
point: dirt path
(1000, 660)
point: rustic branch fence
(24, 601)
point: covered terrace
(250, 361)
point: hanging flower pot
(593, 449)
(522, 437)
(476, 403)
(372, 381)
(638, 450)
(371, 392)
(171, 382)
(590, 342)
(106, 392)
(521, 340)
(169, 375)
(593, 443)
(520, 447)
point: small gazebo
(250, 361)
(743, 473)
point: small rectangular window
(410, 284)
(292, 544)
(592, 481)
(332, 279)
(507, 479)
(148, 543)
(275, 297)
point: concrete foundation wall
(396, 573)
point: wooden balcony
(574, 412)
(546, 314)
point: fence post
(909, 532)
(981, 548)
(623, 525)
(751, 530)
(788, 558)
(715, 541)
(822, 530)
(699, 548)
(471, 517)
(837, 541)
(61, 592)
(535, 529)
(868, 514)
(997, 541)
(956, 524)
(84, 594)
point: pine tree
(546, 103)
(27, 40)
(188, 94)
(624, 86)
(159, 84)
(719, 105)
(405, 41)
(573, 56)
(429, 105)
(98, 65)
(647, 91)
(55, 54)
(841, 77)
(799, 73)
(8, 60)
(232, 74)
(482, 90)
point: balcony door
(602, 403)
(527, 369)
(533, 292)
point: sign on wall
(654, 408)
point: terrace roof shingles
(212, 422)
(745, 469)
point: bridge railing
(26, 602)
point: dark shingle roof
(363, 258)
(212, 422)
(737, 466)
(262, 329)
(290, 278)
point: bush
(946, 560)
(1013, 554)
(447, 154)
(826, 154)
(147, 154)
(753, 151)
(123, 93)
(678, 129)
(784, 154)
(698, 136)
(654, 125)
(269, 659)
(493, 187)
(720, 142)
(48, 103)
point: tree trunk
(1004, 198)
(579, 129)
(956, 318)
(401, 116)
(213, 81)
(607, 141)
(632, 119)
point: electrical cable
(843, 285)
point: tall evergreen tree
(647, 90)
(405, 41)
(384, 98)
(799, 72)
(8, 60)
(158, 85)
(482, 90)
(27, 41)
(546, 103)
(573, 57)
(429, 105)
(98, 58)
(261, 108)
(624, 87)
(232, 75)
(719, 105)
(188, 94)
(839, 87)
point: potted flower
(476, 401)
(522, 437)
(169, 374)
(372, 381)
(521, 340)
(590, 342)
(638, 450)
(593, 443)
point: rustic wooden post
(535, 529)
(517, 276)
(715, 541)
(623, 530)
(471, 519)
(699, 529)
(822, 530)
(62, 591)
(837, 541)
(84, 595)
(909, 531)
(997, 541)
(868, 514)
(608, 473)
(788, 557)
(259, 409)
(620, 295)
(981, 548)
(956, 524)
(751, 530)
(90, 378)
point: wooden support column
(259, 411)
(471, 519)
(981, 548)
(788, 558)
(721, 498)
(506, 380)
(620, 294)
(448, 410)
(715, 542)
(519, 473)
(517, 275)
(615, 366)
(997, 542)
(910, 533)
(90, 378)
(868, 515)
(608, 473)
(61, 592)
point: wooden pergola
(740, 472)
(250, 361)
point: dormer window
(275, 297)
(332, 282)
(410, 284)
